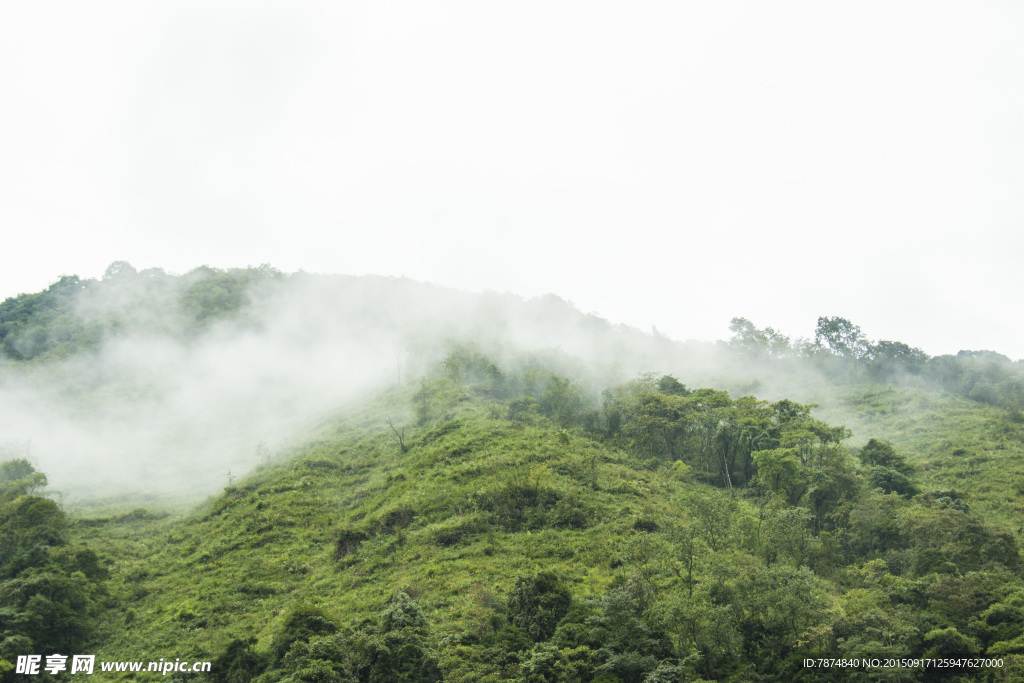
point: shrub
(538, 603)
(349, 541)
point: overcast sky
(659, 163)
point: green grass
(348, 519)
(955, 443)
(186, 586)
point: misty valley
(299, 477)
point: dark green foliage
(397, 518)
(629, 647)
(726, 442)
(239, 663)
(561, 401)
(213, 294)
(34, 324)
(873, 526)
(948, 643)
(61, 321)
(891, 481)
(398, 647)
(466, 365)
(668, 673)
(348, 542)
(945, 498)
(460, 531)
(522, 409)
(648, 525)
(888, 360)
(1000, 628)
(523, 500)
(409, 655)
(879, 454)
(545, 664)
(538, 603)
(947, 540)
(671, 386)
(300, 623)
(406, 656)
(15, 470)
(571, 512)
(776, 608)
(51, 593)
(402, 612)
(779, 471)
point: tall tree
(842, 337)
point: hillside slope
(509, 541)
(956, 443)
(430, 485)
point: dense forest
(617, 508)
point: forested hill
(491, 522)
(429, 485)
(181, 379)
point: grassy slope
(955, 442)
(187, 586)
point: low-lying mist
(151, 385)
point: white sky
(665, 163)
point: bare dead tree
(400, 435)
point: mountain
(116, 384)
(480, 488)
